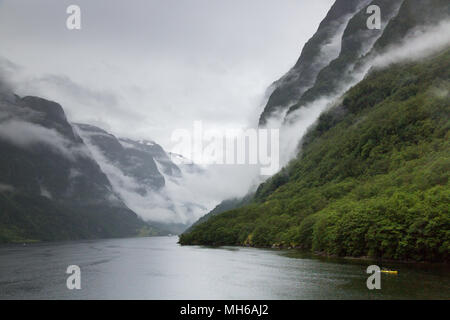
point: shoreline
(331, 256)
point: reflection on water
(158, 268)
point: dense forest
(371, 177)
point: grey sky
(143, 68)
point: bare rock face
(341, 44)
(317, 53)
(55, 190)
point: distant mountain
(140, 172)
(51, 187)
(63, 181)
(163, 159)
(134, 159)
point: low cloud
(419, 43)
(72, 89)
(183, 199)
(214, 184)
(153, 206)
(25, 134)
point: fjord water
(158, 268)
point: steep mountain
(143, 175)
(317, 53)
(357, 41)
(160, 157)
(372, 178)
(356, 50)
(360, 45)
(51, 187)
(134, 159)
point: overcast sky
(143, 68)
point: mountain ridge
(315, 55)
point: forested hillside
(371, 178)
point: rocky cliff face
(317, 53)
(52, 187)
(357, 41)
(330, 61)
(134, 159)
(42, 154)
(72, 181)
(144, 176)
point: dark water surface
(158, 268)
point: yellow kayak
(390, 271)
